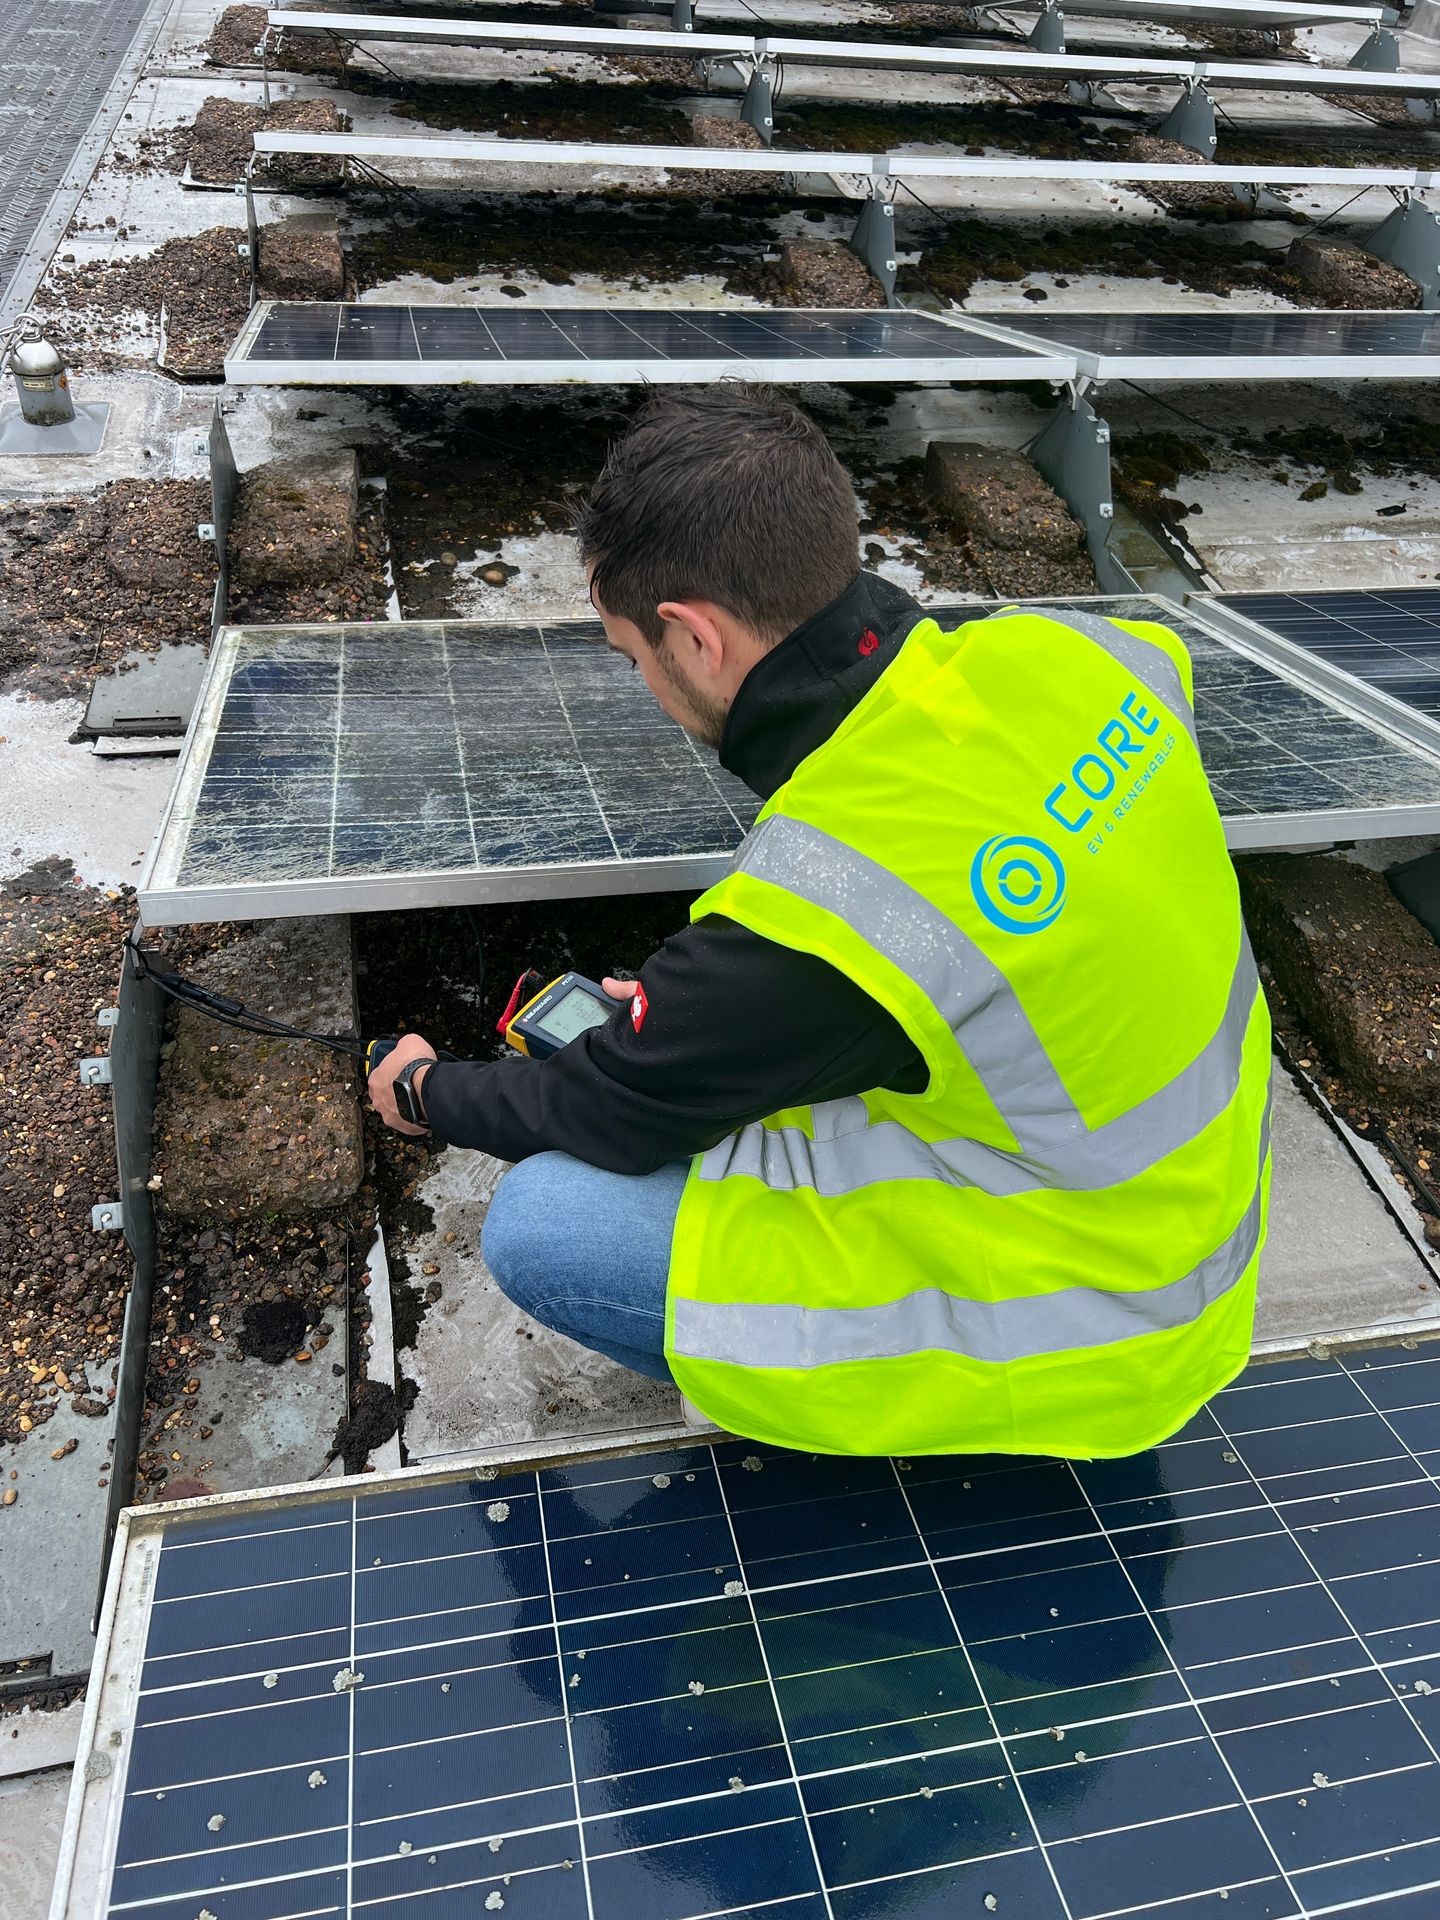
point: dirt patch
(1333, 273)
(821, 273)
(215, 1278)
(219, 145)
(1146, 468)
(374, 1418)
(272, 1330)
(1360, 973)
(296, 523)
(1245, 42)
(474, 474)
(958, 253)
(62, 1287)
(548, 110)
(628, 239)
(88, 579)
(248, 1124)
(235, 37)
(728, 136)
(1054, 133)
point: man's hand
(382, 1081)
(620, 989)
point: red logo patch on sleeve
(869, 641)
(639, 1007)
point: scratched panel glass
(445, 750)
(1389, 639)
(357, 753)
(738, 1680)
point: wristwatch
(407, 1095)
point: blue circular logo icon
(1018, 883)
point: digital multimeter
(556, 1015)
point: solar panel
(341, 768)
(1389, 639)
(298, 343)
(1199, 1682)
(1237, 346)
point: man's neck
(793, 699)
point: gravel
(87, 579)
(219, 145)
(62, 1286)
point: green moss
(557, 240)
(1199, 253)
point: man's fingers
(620, 989)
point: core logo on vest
(1018, 883)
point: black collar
(792, 701)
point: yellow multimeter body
(559, 1013)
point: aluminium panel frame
(505, 37)
(801, 162)
(1099, 366)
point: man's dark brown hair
(726, 493)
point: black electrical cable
(227, 1012)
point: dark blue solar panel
(340, 335)
(1211, 336)
(1390, 638)
(1200, 1683)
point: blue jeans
(588, 1253)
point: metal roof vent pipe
(46, 419)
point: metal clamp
(108, 1017)
(206, 531)
(108, 1217)
(95, 1071)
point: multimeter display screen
(573, 1013)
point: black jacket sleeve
(736, 1028)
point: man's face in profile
(663, 669)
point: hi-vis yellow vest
(1011, 846)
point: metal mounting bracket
(205, 532)
(1409, 238)
(95, 1071)
(1191, 121)
(108, 1217)
(874, 241)
(682, 16)
(757, 109)
(1380, 53)
(108, 1017)
(1073, 453)
(1048, 33)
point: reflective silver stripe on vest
(1056, 1147)
(994, 1331)
(1150, 664)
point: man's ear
(701, 636)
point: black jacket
(737, 1026)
